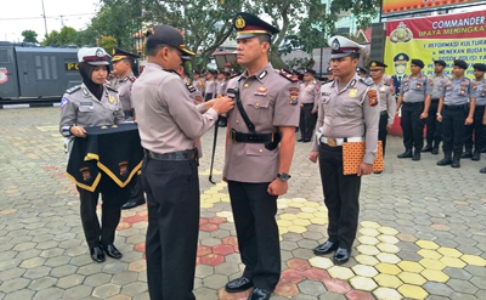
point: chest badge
(353, 93)
(262, 89)
(382, 89)
(111, 99)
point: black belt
(254, 138)
(307, 104)
(384, 113)
(481, 105)
(455, 107)
(180, 155)
(413, 103)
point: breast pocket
(259, 150)
(86, 109)
(258, 108)
(419, 86)
(351, 105)
(405, 87)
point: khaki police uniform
(387, 109)
(169, 124)
(209, 89)
(79, 107)
(434, 132)
(124, 89)
(199, 84)
(477, 126)
(309, 94)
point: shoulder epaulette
(287, 76)
(73, 89)
(132, 79)
(113, 89)
(190, 88)
(366, 81)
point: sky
(19, 15)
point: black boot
(406, 154)
(456, 161)
(477, 155)
(416, 155)
(435, 148)
(467, 153)
(427, 148)
(447, 160)
(483, 170)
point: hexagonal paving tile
(363, 283)
(369, 224)
(368, 250)
(388, 248)
(390, 281)
(321, 262)
(449, 252)
(366, 260)
(474, 260)
(410, 266)
(412, 278)
(427, 245)
(430, 254)
(388, 239)
(298, 264)
(341, 272)
(292, 276)
(387, 294)
(434, 275)
(388, 258)
(388, 230)
(368, 240)
(286, 289)
(369, 232)
(413, 292)
(432, 264)
(453, 262)
(365, 271)
(316, 274)
(387, 268)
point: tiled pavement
(422, 229)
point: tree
(108, 43)
(67, 36)
(30, 36)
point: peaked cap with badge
(167, 35)
(94, 56)
(401, 57)
(119, 54)
(249, 25)
(375, 64)
(342, 47)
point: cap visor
(340, 55)
(98, 63)
(115, 59)
(185, 51)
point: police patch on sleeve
(294, 96)
(372, 98)
(64, 102)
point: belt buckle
(331, 142)
(233, 136)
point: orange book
(353, 156)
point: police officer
(221, 84)
(454, 114)
(308, 98)
(401, 61)
(387, 99)
(197, 81)
(256, 167)
(434, 133)
(361, 72)
(349, 111)
(169, 124)
(415, 97)
(477, 126)
(93, 104)
(209, 85)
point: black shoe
(112, 252)
(259, 294)
(456, 163)
(307, 140)
(467, 154)
(476, 156)
(427, 148)
(326, 248)
(483, 170)
(97, 254)
(300, 140)
(133, 203)
(238, 285)
(406, 154)
(341, 256)
(435, 151)
(445, 161)
(378, 172)
(416, 155)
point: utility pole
(62, 22)
(44, 15)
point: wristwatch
(283, 176)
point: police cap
(361, 70)
(342, 47)
(461, 64)
(418, 63)
(401, 57)
(375, 64)
(480, 67)
(310, 72)
(249, 25)
(94, 56)
(440, 62)
(119, 54)
(167, 35)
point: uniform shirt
(458, 91)
(387, 99)
(416, 89)
(270, 100)
(194, 94)
(79, 107)
(210, 88)
(439, 83)
(199, 84)
(124, 90)
(481, 93)
(221, 88)
(348, 112)
(168, 121)
(309, 93)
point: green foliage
(30, 36)
(108, 43)
(67, 36)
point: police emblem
(99, 53)
(294, 96)
(86, 174)
(373, 64)
(353, 93)
(240, 22)
(111, 99)
(335, 44)
(262, 89)
(372, 98)
(123, 168)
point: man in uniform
(209, 85)
(361, 72)
(198, 82)
(221, 84)
(434, 133)
(415, 97)
(349, 111)
(169, 124)
(308, 97)
(256, 166)
(477, 126)
(387, 99)
(454, 114)
(401, 61)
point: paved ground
(422, 230)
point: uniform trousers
(412, 125)
(307, 122)
(453, 127)
(137, 190)
(479, 131)
(172, 188)
(382, 132)
(254, 211)
(110, 217)
(208, 97)
(434, 127)
(341, 196)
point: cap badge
(401, 57)
(373, 64)
(335, 44)
(99, 53)
(240, 22)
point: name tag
(325, 94)
(86, 103)
(260, 94)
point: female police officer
(93, 104)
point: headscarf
(86, 70)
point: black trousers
(412, 125)
(172, 189)
(382, 132)
(254, 212)
(341, 196)
(137, 190)
(110, 217)
(307, 122)
(208, 96)
(479, 131)
(453, 127)
(434, 127)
